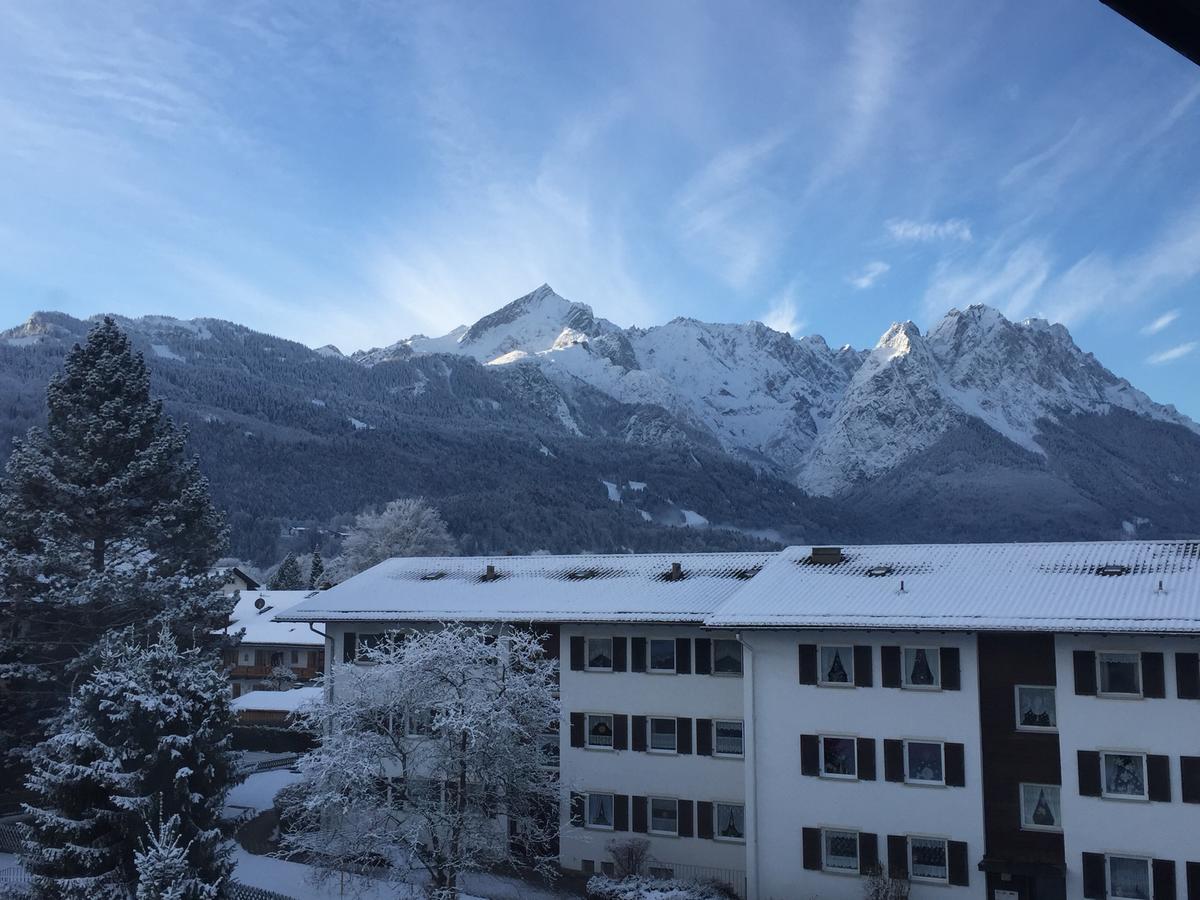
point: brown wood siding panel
(1011, 757)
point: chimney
(489, 574)
(676, 572)
(827, 556)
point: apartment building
(1007, 721)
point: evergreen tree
(148, 732)
(104, 523)
(316, 570)
(163, 869)
(288, 576)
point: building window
(419, 722)
(924, 762)
(922, 668)
(1124, 775)
(730, 822)
(609, 868)
(600, 731)
(662, 655)
(1041, 807)
(662, 735)
(1129, 877)
(1120, 674)
(727, 657)
(729, 737)
(599, 654)
(600, 811)
(839, 851)
(550, 750)
(838, 757)
(927, 859)
(1036, 708)
(664, 816)
(837, 667)
(295, 657)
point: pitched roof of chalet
(1118, 586)
(259, 621)
(584, 588)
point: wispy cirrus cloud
(783, 313)
(1176, 352)
(1161, 323)
(912, 231)
(869, 274)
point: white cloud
(1166, 356)
(783, 314)
(910, 231)
(869, 274)
(1161, 322)
(1007, 280)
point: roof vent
(880, 571)
(435, 576)
(827, 556)
(1112, 569)
(583, 574)
(490, 573)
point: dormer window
(1112, 569)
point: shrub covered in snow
(601, 887)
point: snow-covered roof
(585, 588)
(1120, 586)
(276, 701)
(260, 624)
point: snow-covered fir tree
(147, 732)
(316, 570)
(409, 527)
(164, 871)
(104, 523)
(288, 576)
(433, 756)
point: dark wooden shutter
(811, 839)
(683, 656)
(889, 668)
(620, 732)
(1154, 679)
(1189, 780)
(577, 736)
(958, 868)
(1163, 871)
(703, 656)
(810, 755)
(620, 812)
(1095, 880)
(956, 765)
(864, 675)
(577, 653)
(704, 820)
(683, 735)
(1193, 881)
(704, 737)
(685, 818)
(1158, 777)
(1187, 678)
(868, 851)
(893, 760)
(1085, 672)
(639, 732)
(897, 856)
(641, 821)
(808, 663)
(951, 671)
(619, 654)
(576, 809)
(1089, 773)
(866, 758)
(637, 654)
(349, 646)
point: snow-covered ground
(258, 791)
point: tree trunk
(98, 548)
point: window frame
(928, 879)
(1052, 829)
(834, 870)
(650, 829)
(1108, 874)
(587, 654)
(741, 658)
(587, 810)
(657, 670)
(587, 731)
(717, 836)
(821, 682)
(650, 748)
(821, 738)
(1115, 695)
(722, 754)
(1144, 797)
(908, 779)
(1039, 729)
(935, 653)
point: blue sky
(357, 172)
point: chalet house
(268, 645)
(1000, 721)
(235, 580)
